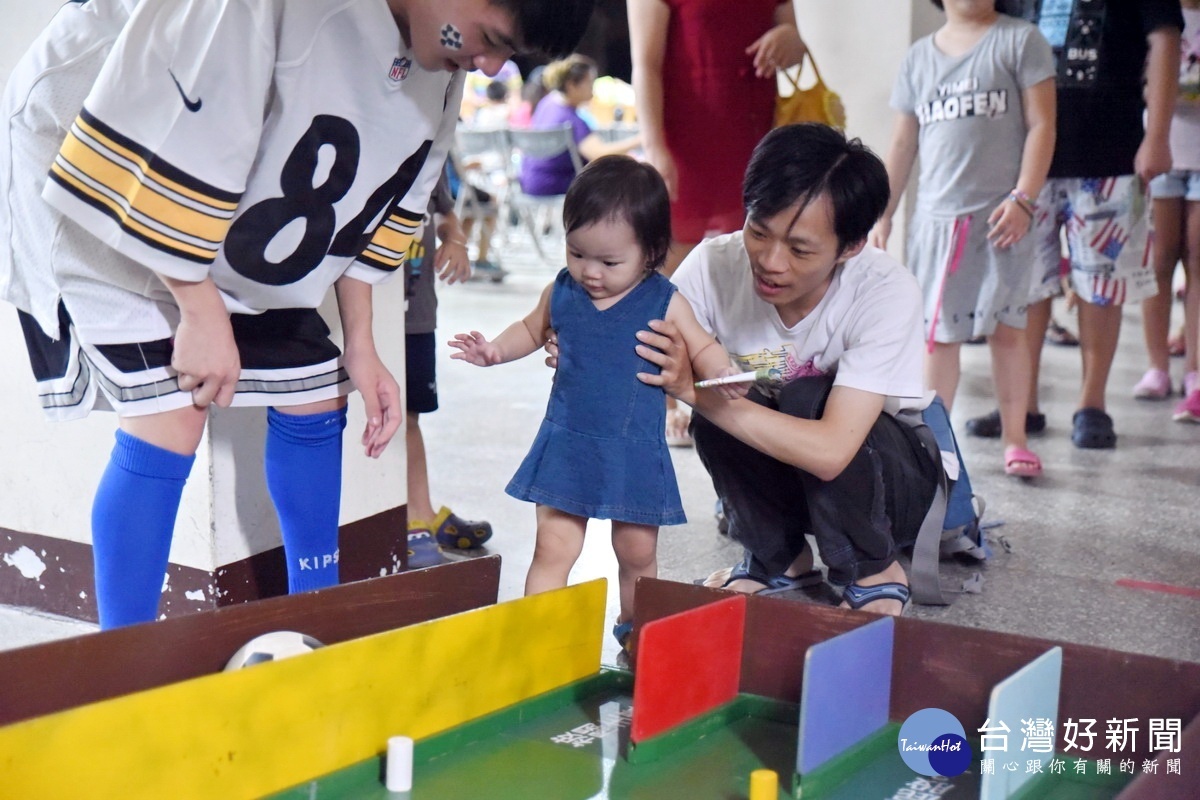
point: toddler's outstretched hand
(474, 348)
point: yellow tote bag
(818, 103)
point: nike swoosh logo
(190, 105)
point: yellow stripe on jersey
(389, 245)
(109, 173)
(119, 213)
(102, 135)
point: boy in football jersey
(182, 184)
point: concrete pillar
(859, 44)
(226, 547)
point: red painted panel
(688, 663)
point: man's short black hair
(799, 163)
(622, 188)
(549, 27)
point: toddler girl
(601, 451)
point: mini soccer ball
(272, 647)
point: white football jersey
(272, 144)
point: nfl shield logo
(399, 70)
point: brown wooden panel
(65, 584)
(954, 668)
(945, 666)
(50, 677)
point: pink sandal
(1021, 463)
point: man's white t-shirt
(866, 331)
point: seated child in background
(600, 452)
(428, 530)
(495, 112)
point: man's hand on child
(551, 348)
(474, 348)
(663, 345)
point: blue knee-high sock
(304, 476)
(133, 518)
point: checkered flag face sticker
(451, 37)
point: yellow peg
(764, 785)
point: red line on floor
(1151, 586)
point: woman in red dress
(704, 78)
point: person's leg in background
(1110, 266)
(1167, 204)
(484, 262)
(1037, 321)
(1099, 330)
(1010, 378)
(1189, 409)
(429, 528)
(943, 370)
(1046, 235)
(1191, 262)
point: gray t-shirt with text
(972, 125)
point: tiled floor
(1069, 543)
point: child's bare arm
(708, 357)
(516, 341)
(901, 155)
(1162, 85)
(1011, 220)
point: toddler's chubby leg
(559, 543)
(636, 547)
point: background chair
(482, 158)
(541, 214)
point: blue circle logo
(933, 742)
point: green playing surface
(573, 744)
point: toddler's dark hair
(622, 188)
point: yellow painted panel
(261, 729)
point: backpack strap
(933, 541)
